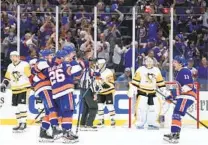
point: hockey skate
(139, 127)
(56, 132)
(153, 127)
(172, 138)
(69, 137)
(101, 124)
(20, 128)
(44, 136)
(91, 128)
(88, 128)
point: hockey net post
(186, 121)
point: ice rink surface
(107, 136)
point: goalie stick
(194, 118)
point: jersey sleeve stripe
(42, 84)
(62, 88)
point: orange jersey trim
(62, 88)
(42, 84)
(48, 99)
(176, 123)
(66, 120)
(183, 104)
(191, 93)
(53, 115)
(46, 119)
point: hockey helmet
(101, 63)
(14, 53)
(181, 60)
(69, 49)
(149, 62)
(45, 52)
(61, 53)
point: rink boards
(121, 102)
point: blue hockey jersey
(186, 84)
(62, 76)
(41, 81)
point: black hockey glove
(3, 88)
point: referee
(90, 106)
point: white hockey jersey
(18, 75)
(147, 80)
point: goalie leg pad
(141, 110)
(152, 114)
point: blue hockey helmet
(45, 52)
(69, 49)
(180, 60)
(61, 53)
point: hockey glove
(3, 88)
(38, 101)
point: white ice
(107, 136)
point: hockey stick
(194, 118)
(37, 116)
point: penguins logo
(150, 77)
(16, 75)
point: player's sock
(176, 123)
(112, 114)
(100, 114)
(23, 112)
(45, 122)
(53, 119)
(18, 117)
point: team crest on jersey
(16, 75)
(151, 77)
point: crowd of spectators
(76, 18)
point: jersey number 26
(56, 76)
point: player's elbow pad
(186, 88)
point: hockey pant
(65, 105)
(108, 99)
(146, 111)
(50, 108)
(90, 108)
(180, 109)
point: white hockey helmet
(149, 62)
(101, 63)
(14, 53)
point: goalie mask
(149, 63)
(101, 64)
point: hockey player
(17, 75)
(144, 83)
(61, 75)
(183, 101)
(105, 93)
(43, 91)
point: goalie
(147, 78)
